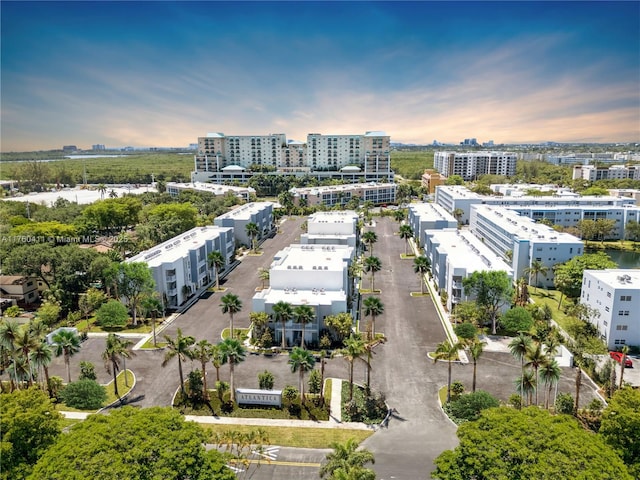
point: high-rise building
(470, 165)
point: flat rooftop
(345, 216)
(216, 189)
(340, 188)
(618, 277)
(312, 257)
(245, 211)
(431, 211)
(178, 246)
(294, 296)
(465, 250)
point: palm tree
(231, 304)
(264, 274)
(232, 353)
(519, 347)
(370, 238)
(67, 343)
(373, 307)
(216, 261)
(111, 357)
(217, 360)
(301, 361)
(406, 232)
(24, 343)
(41, 357)
(252, 230)
(373, 265)
(102, 188)
(398, 215)
(522, 292)
(346, 457)
(536, 268)
(152, 306)
(421, 266)
(178, 347)
(550, 376)
(9, 332)
(449, 352)
(535, 359)
(526, 385)
(126, 352)
(202, 351)
(476, 349)
(304, 314)
(369, 346)
(282, 312)
(624, 350)
(353, 349)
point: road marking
(290, 464)
(271, 453)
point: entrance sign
(253, 396)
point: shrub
(564, 403)
(290, 394)
(315, 382)
(468, 407)
(266, 340)
(13, 311)
(266, 380)
(194, 386)
(515, 400)
(466, 331)
(87, 371)
(84, 394)
(517, 319)
(112, 314)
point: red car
(617, 356)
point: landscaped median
(125, 386)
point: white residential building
(260, 213)
(470, 165)
(614, 172)
(245, 193)
(456, 254)
(331, 228)
(428, 216)
(314, 275)
(615, 294)
(511, 235)
(180, 266)
(332, 195)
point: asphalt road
(416, 434)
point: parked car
(617, 356)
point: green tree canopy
(492, 290)
(505, 443)
(150, 443)
(112, 314)
(620, 427)
(517, 319)
(166, 220)
(30, 424)
(84, 394)
(568, 275)
(46, 230)
(340, 323)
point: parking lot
(416, 434)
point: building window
(609, 294)
(625, 298)
(622, 327)
(606, 309)
(620, 342)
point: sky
(163, 74)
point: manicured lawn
(240, 333)
(93, 328)
(122, 388)
(149, 343)
(551, 298)
(296, 436)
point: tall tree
(534, 269)
(406, 232)
(620, 427)
(301, 361)
(282, 312)
(202, 351)
(304, 314)
(233, 353)
(111, 357)
(625, 351)
(526, 385)
(263, 274)
(370, 238)
(421, 266)
(519, 347)
(372, 265)
(231, 304)
(347, 459)
(41, 357)
(253, 231)
(373, 307)
(550, 376)
(449, 352)
(354, 348)
(568, 275)
(535, 358)
(24, 343)
(179, 347)
(152, 307)
(9, 332)
(492, 290)
(135, 281)
(216, 261)
(476, 349)
(67, 343)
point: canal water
(624, 259)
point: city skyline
(165, 73)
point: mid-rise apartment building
(428, 216)
(331, 228)
(332, 195)
(180, 266)
(314, 275)
(522, 241)
(455, 255)
(260, 213)
(470, 165)
(615, 294)
(244, 193)
(223, 157)
(614, 172)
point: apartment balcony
(171, 277)
(457, 285)
(172, 292)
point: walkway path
(336, 400)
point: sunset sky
(165, 73)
